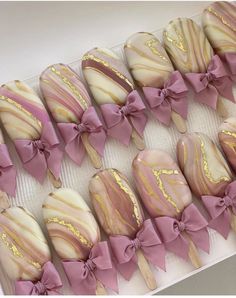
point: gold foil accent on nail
(72, 87)
(221, 18)
(19, 107)
(151, 43)
(206, 167)
(72, 229)
(106, 64)
(180, 43)
(131, 196)
(157, 174)
(16, 252)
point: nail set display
(131, 227)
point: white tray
(31, 194)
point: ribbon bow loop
(83, 275)
(39, 155)
(120, 120)
(49, 283)
(173, 96)
(192, 223)
(147, 240)
(220, 209)
(208, 86)
(7, 172)
(230, 59)
(72, 134)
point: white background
(34, 35)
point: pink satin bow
(192, 223)
(7, 172)
(230, 59)
(220, 209)
(71, 133)
(172, 97)
(49, 283)
(120, 119)
(208, 86)
(124, 249)
(83, 275)
(39, 155)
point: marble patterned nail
(70, 106)
(219, 24)
(70, 224)
(227, 139)
(28, 125)
(161, 185)
(203, 165)
(23, 247)
(164, 89)
(114, 91)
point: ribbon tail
(201, 239)
(221, 224)
(76, 151)
(156, 255)
(108, 278)
(122, 131)
(37, 167)
(8, 181)
(97, 141)
(208, 96)
(179, 246)
(54, 161)
(127, 269)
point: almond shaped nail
(23, 247)
(70, 224)
(203, 165)
(227, 139)
(161, 185)
(115, 203)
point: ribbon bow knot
(49, 283)
(220, 209)
(7, 172)
(208, 86)
(42, 154)
(124, 249)
(83, 275)
(72, 134)
(120, 120)
(192, 223)
(173, 96)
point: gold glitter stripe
(106, 64)
(221, 18)
(180, 43)
(16, 252)
(229, 133)
(19, 107)
(152, 44)
(157, 174)
(131, 196)
(72, 229)
(72, 87)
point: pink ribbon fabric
(192, 223)
(220, 209)
(120, 119)
(230, 59)
(83, 275)
(7, 172)
(172, 97)
(71, 133)
(208, 86)
(39, 155)
(49, 283)
(124, 249)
